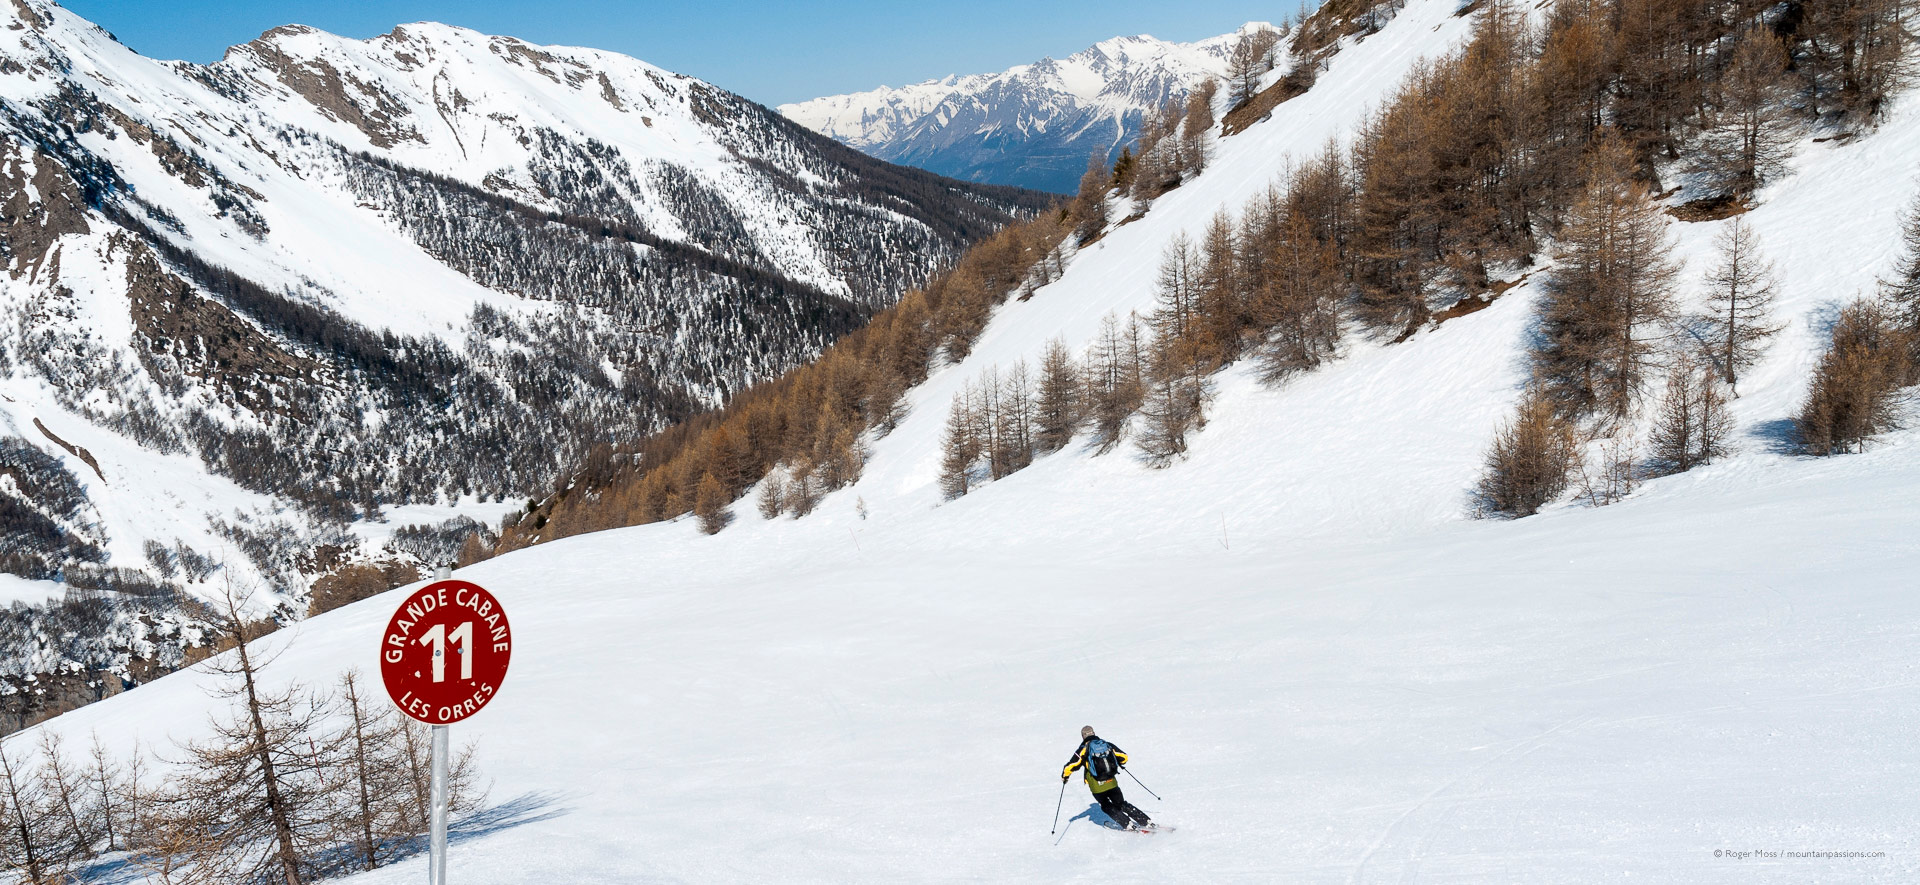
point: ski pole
(1056, 805)
(1136, 780)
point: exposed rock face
(182, 335)
(80, 452)
(360, 580)
(347, 98)
(38, 206)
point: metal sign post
(442, 658)
(437, 859)
(437, 844)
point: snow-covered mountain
(247, 301)
(1328, 671)
(1032, 125)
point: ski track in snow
(1329, 672)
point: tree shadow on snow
(339, 860)
(1781, 436)
(115, 869)
(526, 808)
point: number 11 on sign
(438, 637)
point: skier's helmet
(1086, 732)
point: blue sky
(767, 50)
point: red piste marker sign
(445, 652)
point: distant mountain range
(1032, 125)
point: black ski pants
(1117, 807)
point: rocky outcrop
(183, 334)
(39, 204)
(344, 97)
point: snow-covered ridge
(1032, 124)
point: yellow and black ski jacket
(1079, 760)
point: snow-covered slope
(1592, 694)
(1032, 125)
(1329, 672)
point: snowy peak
(432, 90)
(867, 119)
(1032, 125)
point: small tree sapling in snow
(63, 788)
(1693, 427)
(1115, 382)
(104, 781)
(1057, 409)
(773, 491)
(710, 504)
(1530, 461)
(1610, 474)
(959, 448)
(1738, 321)
(1852, 397)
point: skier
(1103, 761)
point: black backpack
(1100, 761)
